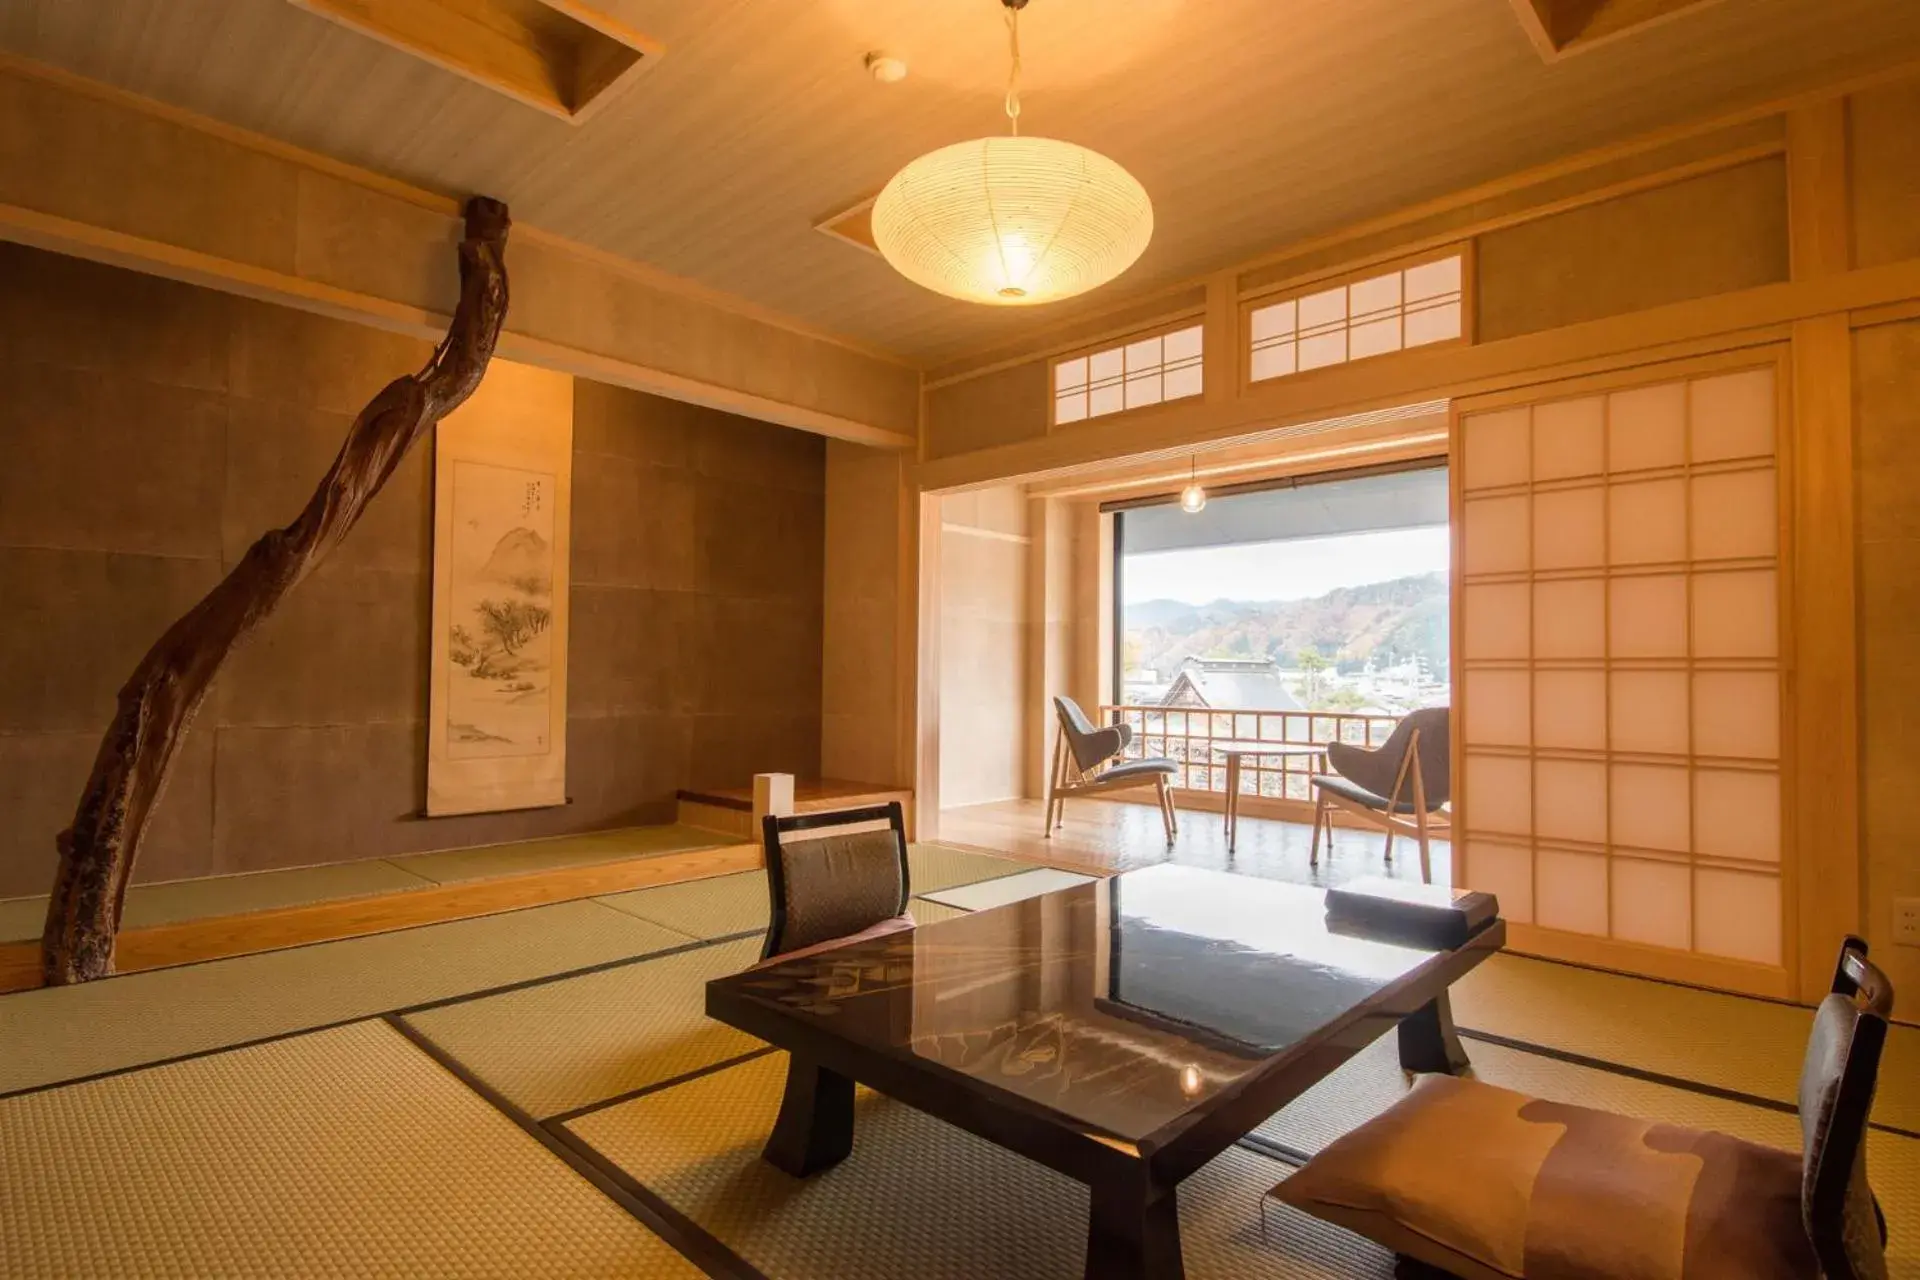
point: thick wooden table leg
(1428, 1041)
(815, 1127)
(1133, 1233)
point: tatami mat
(344, 1153)
(565, 1044)
(710, 908)
(919, 1198)
(212, 896)
(563, 851)
(209, 896)
(1751, 1046)
(57, 1033)
(722, 905)
(1001, 890)
(933, 867)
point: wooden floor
(1113, 835)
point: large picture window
(1312, 610)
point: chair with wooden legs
(1401, 786)
(1086, 761)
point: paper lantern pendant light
(1012, 221)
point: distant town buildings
(1263, 684)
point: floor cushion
(1489, 1184)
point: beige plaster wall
(985, 543)
(1715, 233)
(152, 430)
(869, 602)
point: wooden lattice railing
(1188, 735)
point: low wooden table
(1236, 751)
(1122, 1032)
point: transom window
(1132, 376)
(1407, 307)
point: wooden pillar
(1823, 676)
(925, 704)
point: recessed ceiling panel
(1560, 27)
(556, 55)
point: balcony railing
(1188, 734)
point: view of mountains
(1390, 622)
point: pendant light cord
(1013, 71)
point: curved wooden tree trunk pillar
(159, 700)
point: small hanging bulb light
(1193, 498)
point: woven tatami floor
(352, 1152)
(1730, 1042)
(562, 1045)
(919, 1198)
(58, 1033)
(724, 905)
(343, 1153)
(212, 896)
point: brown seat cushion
(1494, 1185)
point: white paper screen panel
(1406, 307)
(1619, 674)
(1133, 375)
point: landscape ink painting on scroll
(500, 638)
(503, 479)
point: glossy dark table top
(1126, 1007)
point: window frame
(1195, 319)
(1306, 286)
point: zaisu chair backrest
(1836, 1093)
(830, 875)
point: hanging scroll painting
(503, 479)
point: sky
(1292, 570)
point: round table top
(1235, 747)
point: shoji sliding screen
(1620, 676)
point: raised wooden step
(729, 810)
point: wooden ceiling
(1251, 122)
(1560, 27)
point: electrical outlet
(1906, 921)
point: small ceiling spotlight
(886, 68)
(1193, 498)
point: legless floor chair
(835, 878)
(1465, 1179)
(1399, 787)
(1086, 761)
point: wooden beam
(1745, 317)
(98, 173)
